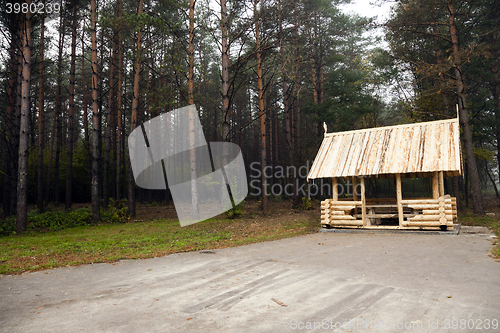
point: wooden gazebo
(429, 149)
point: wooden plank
(454, 159)
(394, 154)
(332, 157)
(346, 203)
(388, 146)
(399, 197)
(441, 184)
(411, 162)
(419, 201)
(430, 218)
(336, 158)
(429, 149)
(454, 208)
(354, 154)
(345, 152)
(424, 224)
(319, 160)
(365, 153)
(342, 208)
(436, 211)
(438, 136)
(458, 156)
(384, 216)
(381, 150)
(341, 217)
(371, 154)
(332, 212)
(335, 193)
(425, 201)
(420, 149)
(346, 222)
(363, 201)
(354, 193)
(445, 147)
(435, 185)
(399, 154)
(427, 206)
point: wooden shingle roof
(413, 150)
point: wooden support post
(354, 194)
(335, 193)
(435, 185)
(363, 201)
(399, 197)
(441, 183)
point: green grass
(491, 222)
(111, 242)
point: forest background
(263, 74)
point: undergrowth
(54, 220)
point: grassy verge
(491, 222)
(105, 243)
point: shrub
(236, 211)
(58, 220)
(7, 226)
(306, 203)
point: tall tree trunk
(17, 124)
(297, 101)
(71, 111)
(88, 154)
(100, 113)
(275, 132)
(496, 100)
(110, 117)
(194, 189)
(10, 169)
(477, 199)
(439, 62)
(58, 109)
(51, 155)
(312, 60)
(119, 100)
(135, 105)
(147, 95)
(22, 179)
(41, 120)
(321, 73)
(286, 101)
(96, 200)
(262, 111)
(225, 71)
